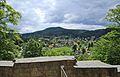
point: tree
(107, 48)
(8, 37)
(8, 49)
(84, 50)
(75, 48)
(32, 48)
(113, 15)
(8, 16)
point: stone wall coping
(93, 64)
(6, 63)
(44, 59)
(118, 68)
(35, 60)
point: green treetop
(8, 37)
(113, 15)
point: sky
(71, 14)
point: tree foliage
(8, 49)
(32, 48)
(107, 48)
(8, 37)
(8, 16)
(113, 15)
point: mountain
(58, 31)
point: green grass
(62, 51)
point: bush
(32, 48)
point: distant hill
(72, 33)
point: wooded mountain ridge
(71, 33)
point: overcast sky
(71, 14)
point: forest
(101, 45)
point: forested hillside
(70, 33)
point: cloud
(27, 29)
(80, 14)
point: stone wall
(6, 72)
(52, 68)
(118, 74)
(43, 69)
(96, 72)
